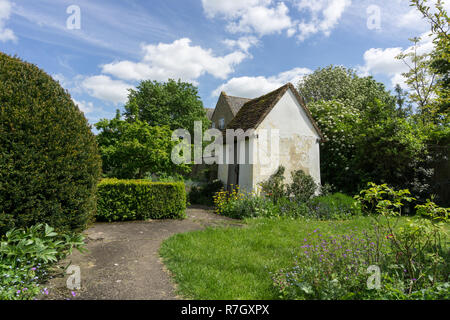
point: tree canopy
(175, 104)
(368, 134)
(135, 150)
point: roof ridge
(239, 97)
(256, 110)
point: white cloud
(61, 79)
(412, 19)
(177, 60)
(263, 20)
(324, 16)
(243, 43)
(253, 87)
(85, 107)
(231, 8)
(105, 88)
(262, 17)
(5, 12)
(383, 62)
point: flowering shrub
(240, 205)
(302, 188)
(336, 267)
(329, 267)
(413, 256)
(289, 208)
(26, 256)
(338, 121)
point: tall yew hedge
(49, 160)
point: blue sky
(243, 47)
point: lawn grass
(231, 263)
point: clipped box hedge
(126, 200)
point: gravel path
(122, 262)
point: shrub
(289, 208)
(49, 163)
(302, 187)
(419, 245)
(335, 206)
(26, 256)
(328, 267)
(274, 188)
(241, 205)
(204, 195)
(250, 207)
(336, 267)
(123, 200)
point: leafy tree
(389, 151)
(403, 103)
(340, 83)
(135, 149)
(49, 160)
(421, 80)
(340, 125)
(368, 135)
(173, 104)
(440, 57)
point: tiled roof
(209, 113)
(253, 112)
(236, 103)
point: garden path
(122, 262)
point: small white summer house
(269, 131)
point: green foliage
(26, 256)
(334, 206)
(389, 151)
(373, 145)
(328, 267)
(274, 188)
(421, 80)
(239, 204)
(250, 207)
(302, 187)
(49, 164)
(432, 211)
(204, 194)
(383, 200)
(369, 133)
(339, 124)
(300, 190)
(174, 104)
(342, 84)
(440, 56)
(125, 200)
(419, 245)
(237, 263)
(39, 243)
(135, 149)
(288, 208)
